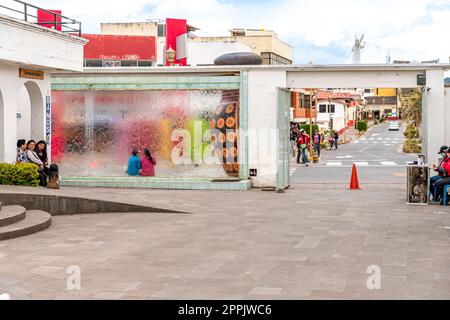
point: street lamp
(170, 53)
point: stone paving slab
(303, 244)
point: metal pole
(25, 12)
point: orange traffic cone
(354, 182)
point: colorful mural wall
(190, 133)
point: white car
(394, 126)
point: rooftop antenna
(357, 49)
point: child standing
(53, 177)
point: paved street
(316, 241)
(377, 154)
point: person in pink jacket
(148, 164)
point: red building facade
(118, 50)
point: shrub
(306, 128)
(411, 132)
(412, 146)
(22, 174)
(362, 126)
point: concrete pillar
(2, 124)
(8, 122)
(433, 123)
(447, 115)
(262, 124)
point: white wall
(11, 87)
(434, 115)
(204, 53)
(262, 124)
(353, 79)
(160, 45)
(24, 108)
(2, 136)
(27, 45)
(30, 44)
(447, 116)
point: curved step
(11, 214)
(35, 221)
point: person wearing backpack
(302, 145)
(317, 139)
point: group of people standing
(299, 142)
(36, 153)
(144, 166)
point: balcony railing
(46, 18)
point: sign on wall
(31, 74)
(48, 124)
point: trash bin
(418, 181)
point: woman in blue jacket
(134, 164)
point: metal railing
(28, 12)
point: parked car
(394, 126)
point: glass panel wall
(189, 133)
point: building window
(331, 108)
(161, 30)
(111, 63)
(145, 63)
(270, 58)
(128, 63)
(93, 63)
(322, 108)
(305, 102)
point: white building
(204, 53)
(28, 55)
(331, 115)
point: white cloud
(408, 29)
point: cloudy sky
(321, 31)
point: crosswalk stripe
(389, 163)
(334, 164)
(361, 164)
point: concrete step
(35, 221)
(11, 214)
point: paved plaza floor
(312, 242)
